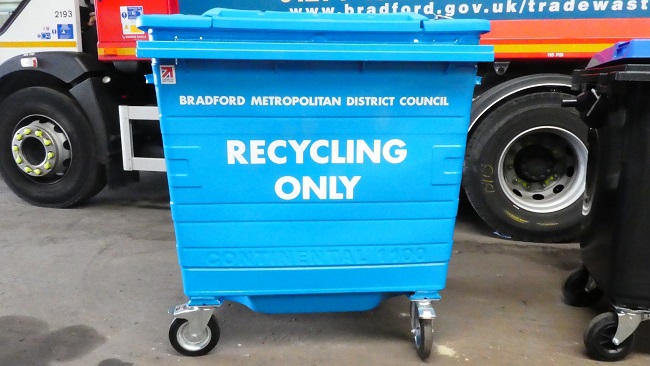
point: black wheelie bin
(614, 246)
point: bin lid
(275, 20)
(623, 52)
(271, 35)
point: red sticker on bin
(167, 74)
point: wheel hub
(534, 163)
(41, 149)
(417, 335)
(193, 341)
(543, 169)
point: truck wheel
(525, 169)
(47, 149)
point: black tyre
(47, 149)
(422, 333)
(424, 338)
(574, 291)
(186, 345)
(525, 169)
(598, 339)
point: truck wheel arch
(73, 74)
(507, 90)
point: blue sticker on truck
(65, 31)
(131, 12)
(129, 15)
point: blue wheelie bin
(314, 161)
(615, 104)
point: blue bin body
(314, 162)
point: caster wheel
(198, 345)
(574, 290)
(598, 339)
(422, 333)
(424, 338)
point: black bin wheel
(598, 339)
(574, 289)
(186, 345)
(424, 338)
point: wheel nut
(37, 172)
(50, 155)
(19, 160)
(47, 166)
(47, 142)
(38, 133)
(19, 137)
(28, 169)
(27, 131)
(14, 148)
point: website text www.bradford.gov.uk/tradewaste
(530, 7)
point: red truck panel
(116, 25)
(561, 38)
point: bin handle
(180, 166)
(569, 103)
(447, 164)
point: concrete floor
(92, 285)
